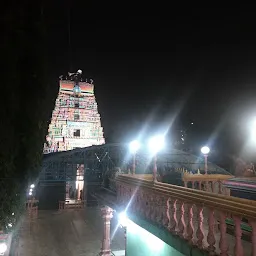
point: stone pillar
(107, 215)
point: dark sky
(149, 72)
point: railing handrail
(229, 204)
(206, 177)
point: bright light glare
(134, 146)
(153, 242)
(30, 193)
(10, 225)
(205, 150)
(32, 186)
(31, 190)
(254, 130)
(123, 219)
(156, 143)
(146, 238)
(3, 248)
(133, 229)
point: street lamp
(123, 222)
(205, 151)
(134, 147)
(155, 144)
(32, 186)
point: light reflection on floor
(71, 233)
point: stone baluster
(185, 184)
(140, 202)
(227, 191)
(200, 185)
(212, 187)
(181, 221)
(126, 195)
(211, 237)
(158, 209)
(126, 191)
(193, 184)
(223, 238)
(143, 204)
(133, 201)
(209, 189)
(200, 230)
(238, 234)
(166, 208)
(147, 205)
(190, 228)
(206, 185)
(253, 225)
(172, 213)
(107, 215)
(220, 187)
(152, 208)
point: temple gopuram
(75, 121)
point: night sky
(151, 74)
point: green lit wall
(140, 242)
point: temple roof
(171, 159)
(179, 160)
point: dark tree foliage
(26, 102)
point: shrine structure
(75, 121)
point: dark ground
(70, 233)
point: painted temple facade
(75, 121)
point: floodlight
(205, 150)
(134, 146)
(156, 143)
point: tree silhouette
(26, 103)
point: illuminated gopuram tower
(75, 119)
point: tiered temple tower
(75, 119)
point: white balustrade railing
(210, 182)
(197, 216)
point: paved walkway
(69, 233)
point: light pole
(134, 147)
(205, 151)
(155, 144)
(123, 222)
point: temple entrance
(75, 188)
